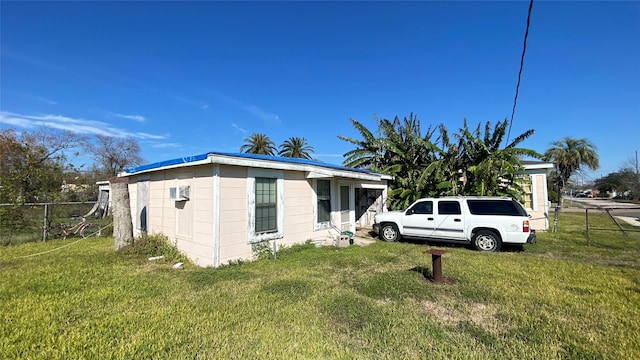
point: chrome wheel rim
(486, 242)
(389, 233)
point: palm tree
(476, 165)
(400, 150)
(258, 143)
(295, 147)
(491, 169)
(447, 168)
(569, 155)
(406, 156)
(368, 152)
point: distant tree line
(622, 184)
(35, 168)
(33, 165)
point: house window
(265, 202)
(266, 205)
(323, 195)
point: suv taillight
(525, 226)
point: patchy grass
(557, 299)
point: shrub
(261, 251)
(287, 250)
(149, 245)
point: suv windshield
(496, 207)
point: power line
(524, 50)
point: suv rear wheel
(486, 240)
(389, 232)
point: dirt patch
(480, 315)
(549, 255)
(365, 232)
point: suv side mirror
(411, 211)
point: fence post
(586, 215)
(44, 224)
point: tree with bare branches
(115, 154)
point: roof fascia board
(257, 163)
(168, 167)
(538, 166)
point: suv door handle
(457, 220)
(429, 218)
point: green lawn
(557, 299)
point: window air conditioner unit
(180, 193)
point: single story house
(217, 205)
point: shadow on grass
(505, 247)
(426, 272)
(428, 276)
(417, 241)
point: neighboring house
(103, 204)
(536, 199)
(216, 205)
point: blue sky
(187, 78)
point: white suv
(485, 222)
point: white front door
(347, 208)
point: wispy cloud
(45, 100)
(197, 103)
(10, 54)
(76, 125)
(105, 74)
(32, 97)
(138, 118)
(131, 81)
(165, 145)
(238, 128)
(143, 135)
(262, 114)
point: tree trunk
(122, 224)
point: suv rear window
(496, 207)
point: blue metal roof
(278, 159)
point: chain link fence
(34, 221)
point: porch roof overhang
(535, 165)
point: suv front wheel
(486, 240)
(389, 232)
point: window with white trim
(323, 201)
(266, 205)
(265, 200)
